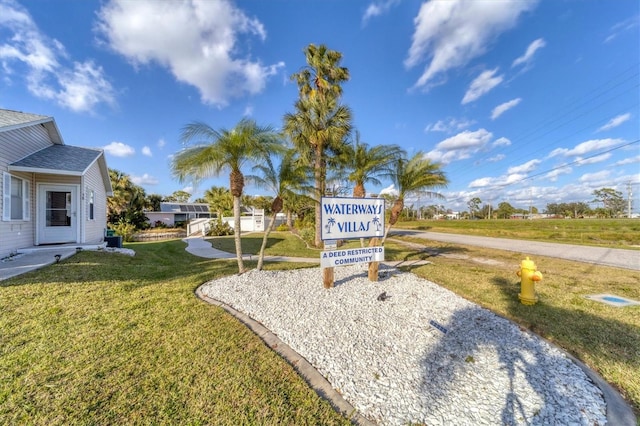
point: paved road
(619, 258)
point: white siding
(15, 145)
(94, 229)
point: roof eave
(48, 123)
(45, 171)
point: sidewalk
(197, 246)
(25, 262)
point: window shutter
(26, 200)
(6, 196)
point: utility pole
(629, 194)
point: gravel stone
(396, 368)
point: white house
(172, 213)
(51, 193)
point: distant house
(51, 193)
(171, 214)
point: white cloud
(449, 34)
(586, 147)
(502, 108)
(615, 122)
(449, 125)
(503, 180)
(481, 85)
(481, 182)
(592, 160)
(496, 158)
(601, 176)
(119, 149)
(527, 167)
(554, 174)
(391, 189)
(146, 151)
(460, 146)
(161, 143)
(630, 160)
(202, 43)
(501, 142)
(77, 85)
(531, 50)
(145, 179)
(620, 28)
(377, 8)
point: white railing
(198, 226)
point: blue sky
(522, 101)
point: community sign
(329, 259)
(351, 218)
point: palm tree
(413, 175)
(289, 177)
(320, 125)
(219, 200)
(215, 151)
(365, 164)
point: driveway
(618, 258)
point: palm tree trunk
(276, 207)
(319, 183)
(395, 215)
(264, 241)
(236, 233)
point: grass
(621, 233)
(278, 244)
(106, 339)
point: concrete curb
(308, 372)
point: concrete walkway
(200, 247)
(25, 262)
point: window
(15, 198)
(91, 204)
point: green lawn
(623, 233)
(106, 339)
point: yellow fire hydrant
(528, 276)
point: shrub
(126, 230)
(282, 227)
(308, 235)
(219, 228)
(160, 224)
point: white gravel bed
(424, 355)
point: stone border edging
(307, 371)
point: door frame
(41, 207)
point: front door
(58, 214)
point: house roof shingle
(60, 158)
(11, 119)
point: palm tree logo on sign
(330, 223)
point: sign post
(351, 218)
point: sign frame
(348, 218)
